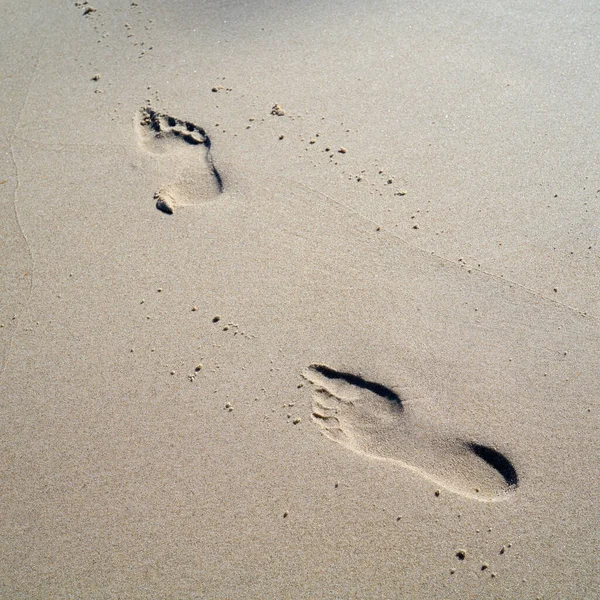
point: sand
(299, 300)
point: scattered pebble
(216, 319)
(198, 367)
(285, 514)
(88, 9)
(461, 554)
(96, 77)
(296, 420)
(216, 88)
(277, 111)
(437, 493)
(485, 566)
(281, 136)
(342, 150)
(194, 308)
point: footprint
(182, 158)
(373, 420)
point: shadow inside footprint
(193, 177)
(370, 419)
(359, 382)
(497, 461)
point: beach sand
(299, 300)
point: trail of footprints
(185, 158)
(372, 420)
(364, 416)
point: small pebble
(216, 319)
(96, 77)
(194, 308)
(437, 493)
(285, 514)
(484, 566)
(198, 367)
(342, 150)
(296, 421)
(461, 554)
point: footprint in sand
(371, 419)
(183, 160)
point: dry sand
(354, 354)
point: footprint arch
(371, 419)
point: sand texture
(299, 300)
